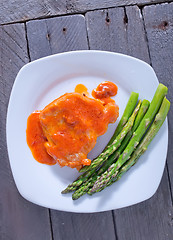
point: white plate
(40, 82)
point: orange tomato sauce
(36, 139)
(105, 90)
(80, 88)
(66, 130)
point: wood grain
(19, 219)
(97, 226)
(122, 30)
(59, 35)
(117, 30)
(159, 27)
(56, 35)
(19, 10)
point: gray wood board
(159, 27)
(95, 226)
(19, 10)
(58, 35)
(19, 219)
(124, 32)
(118, 30)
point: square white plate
(43, 80)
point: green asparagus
(144, 107)
(142, 147)
(127, 113)
(137, 135)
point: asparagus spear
(137, 135)
(75, 184)
(104, 156)
(153, 130)
(84, 188)
(127, 113)
(144, 107)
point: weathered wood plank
(159, 27)
(18, 10)
(117, 30)
(124, 32)
(83, 226)
(58, 35)
(19, 219)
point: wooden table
(33, 29)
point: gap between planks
(146, 37)
(27, 42)
(169, 183)
(51, 226)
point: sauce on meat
(105, 90)
(66, 130)
(80, 88)
(36, 139)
